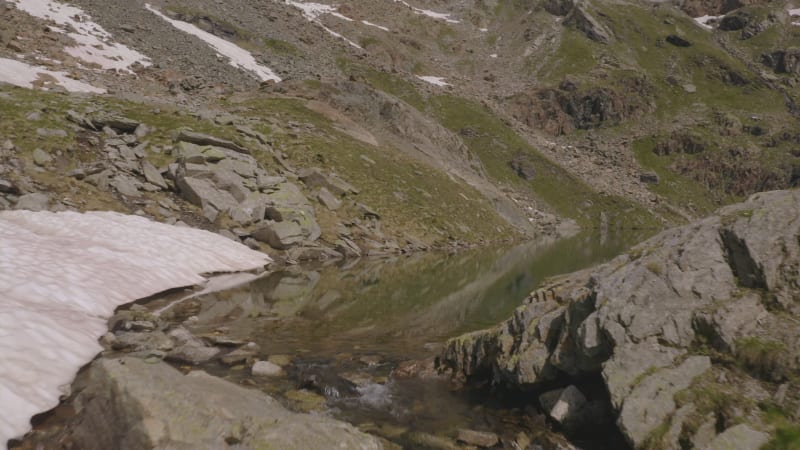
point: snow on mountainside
(63, 274)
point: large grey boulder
(279, 235)
(204, 139)
(638, 320)
(130, 404)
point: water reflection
(392, 307)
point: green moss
(786, 434)
(765, 359)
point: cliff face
(700, 320)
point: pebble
(266, 369)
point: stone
(651, 401)
(33, 202)
(137, 341)
(126, 185)
(189, 349)
(131, 404)
(213, 154)
(204, 139)
(266, 369)
(739, 437)
(50, 132)
(117, 123)
(329, 200)
(203, 192)
(41, 158)
(563, 405)
(280, 360)
(478, 438)
(153, 175)
(279, 235)
(314, 178)
(7, 187)
(649, 178)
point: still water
(346, 327)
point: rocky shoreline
(693, 333)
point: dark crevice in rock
(749, 272)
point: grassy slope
(435, 208)
(496, 143)
(637, 30)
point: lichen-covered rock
(729, 282)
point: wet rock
(240, 355)
(130, 404)
(266, 369)
(136, 341)
(483, 439)
(33, 202)
(305, 400)
(280, 360)
(204, 139)
(189, 349)
(432, 441)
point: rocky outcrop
(783, 61)
(131, 404)
(647, 321)
(560, 111)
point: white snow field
(94, 44)
(436, 81)
(426, 12)
(312, 12)
(237, 56)
(25, 75)
(705, 21)
(61, 277)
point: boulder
(153, 175)
(739, 437)
(41, 158)
(189, 349)
(204, 139)
(279, 235)
(329, 200)
(483, 439)
(563, 405)
(130, 404)
(728, 280)
(33, 202)
(266, 369)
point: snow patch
(493, 55)
(95, 44)
(380, 27)
(313, 11)
(794, 13)
(437, 81)
(25, 75)
(237, 56)
(426, 12)
(707, 21)
(63, 274)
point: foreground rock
(131, 404)
(647, 321)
